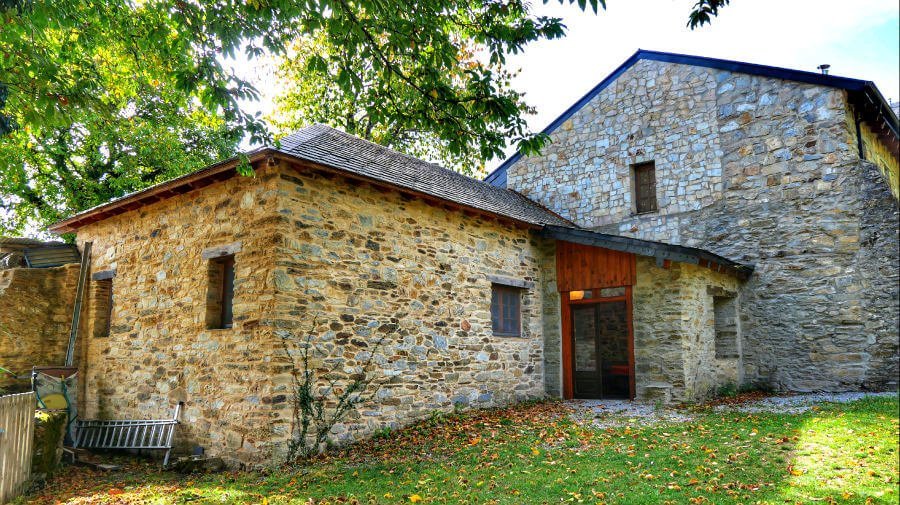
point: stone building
(793, 172)
(752, 260)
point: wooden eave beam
(662, 252)
(217, 172)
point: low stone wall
(35, 317)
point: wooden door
(586, 369)
(601, 350)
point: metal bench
(127, 434)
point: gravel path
(611, 413)
(799, 403)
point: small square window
(506, 310)
(644, 177)
(220, 293)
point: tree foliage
(386, 110)
(704, 11)
(51, 171)
(76, 76)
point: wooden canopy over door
(588, 268)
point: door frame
(566, 337)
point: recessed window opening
(644, 183)
(220, 294)
(506, 310)
(726, 326)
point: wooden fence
(16, 443)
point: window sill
(508, 335)
(646, 212)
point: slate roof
(334, 150)
(326, 146)
(863, 94)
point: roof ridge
(413, 159)
(386, 148)
(847, 83)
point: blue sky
(858, 38)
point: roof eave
(226, 169)
(138, 199)
(659, 250)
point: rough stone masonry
(388, 264)
(757, 169)
(361, 271)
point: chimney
(824, 68)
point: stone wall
(674, 332)
(585, 173)
(158, 350)
(878, 267)
(552, 323)
(776, 182)
(374, 275)
(35, 318)
(345, 264)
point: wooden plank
(583, 267)
(16, 443)
(629, 307)
(566, 354)
(79, 298)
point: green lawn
(536, 454)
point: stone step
(657, 391)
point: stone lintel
(103, 275)
(221, 250)
(510, 281)
(720, 292)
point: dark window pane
(505, 310)
(220, 293)
(645, 187)
(227, 292)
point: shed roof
(659, 250)
(870, 103)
